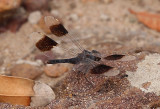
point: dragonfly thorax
(87, 55)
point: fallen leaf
(9, 4)
(149, 19)
(26, 92)
(16, 90)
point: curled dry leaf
(20, 91)
(150, 20)
(16, 90)
(9, 4)
(8, 8)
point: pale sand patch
(148, 71)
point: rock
(107, 1)
(104, 17)
(43, 94)
(34, 17)
(33, 5)
(73, 17)
(55, 13)
(33, 63)
(55, 70)
(25, 71)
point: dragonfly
(89, 61)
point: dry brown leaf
(15, 86)
(20, 100)
(9, 4)
(15, 90)
(150, 20)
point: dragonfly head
(93, 55)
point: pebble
(25, 71)
(104, 17)
(107, 1)
(55, 13)
(55, 70)
(34, 17)
(33, 63)
(73, 17)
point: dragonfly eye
(93, 57)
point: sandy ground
(106, 26)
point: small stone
(34, 17)
(104, 17)
(73, 17)
(55, 13)
(55, 70)
(107, 1)
(43, 95)
(25, 71)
